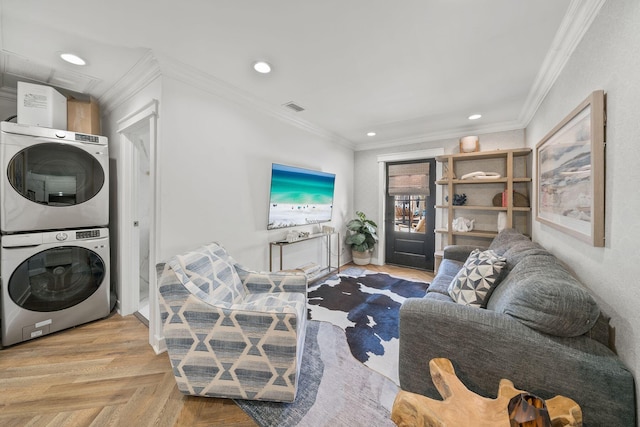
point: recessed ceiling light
(73, 59)
(262, 67)
(475, 116)
(371, 134)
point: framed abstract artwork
(570, 162)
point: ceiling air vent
(293, 106)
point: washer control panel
(87, 138)
(87, 234)
(59, 237)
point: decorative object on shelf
(447, 173)
(362, 238)
(570, 173)
(458, 199)
(502, 221)
(462, 224)
(481, 175)
(294, 236)
(328, 229)
(519, 200)
(469, 144)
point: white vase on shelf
(502, 221)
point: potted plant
(362, 238)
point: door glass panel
(410, 213)
(56, 279)
(55, 174)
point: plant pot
(361, 258)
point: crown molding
(139, 76)
(579, 17)
(192, 76)
(452, 133)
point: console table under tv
(323, 270)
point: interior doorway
(141, 205)
(410, 213)
(136, 221)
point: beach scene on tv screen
(299, 196)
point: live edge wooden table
(461, 406)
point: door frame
(383, 159)
(128, 271)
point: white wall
(214, 175)
(368, 189)
(8, 106)
(607, 58)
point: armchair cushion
(281, 302)
(208, 274)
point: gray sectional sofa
(540, 328)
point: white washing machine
(52, 281)
(52, 179)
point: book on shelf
(309, 268)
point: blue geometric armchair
(231, 332)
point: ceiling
(410, 70)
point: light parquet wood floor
(105, 373)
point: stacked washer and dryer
(54, 242)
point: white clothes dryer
(52, 179)
(53, 281)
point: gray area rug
(334, 389)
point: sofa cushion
(540, 293)
(477, 277)
(520, 250)
(506, 239)
(446, 272)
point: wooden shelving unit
(465, 162)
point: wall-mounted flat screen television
(299, 196)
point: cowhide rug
(366, 305)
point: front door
(410, 214)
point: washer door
(55, 174)
(56, 279)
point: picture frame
(570, 173)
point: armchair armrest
(485, 347)
(458, 252)
(255, 281)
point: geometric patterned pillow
(477, 278)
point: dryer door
(55, 174)
(56, 279)
(49, 185)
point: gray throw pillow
(477, 278)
